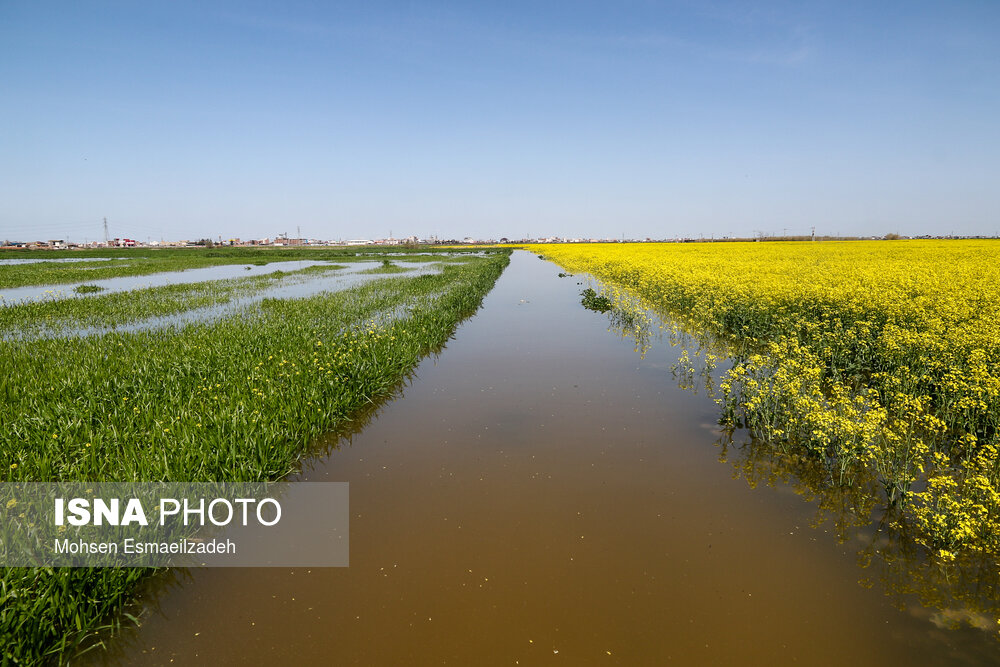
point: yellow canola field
(878, 355)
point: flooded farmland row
(540, 493)
(227, 297)
(127, 283)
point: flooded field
(540, 493)
(128, 283)
(36, 260)
(227, 293)
(93, 391)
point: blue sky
(642, 119)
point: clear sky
(637, 118)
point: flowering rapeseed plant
(879, 354)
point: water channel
(539, 493)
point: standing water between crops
(539, 493)
(13, 295)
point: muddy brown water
(538, 493)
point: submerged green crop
(237, 399)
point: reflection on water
(128, 283)
(292, 287)
(539, 493)
(963, 593)
(956, 595)
(54, 260)
(239, 300)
